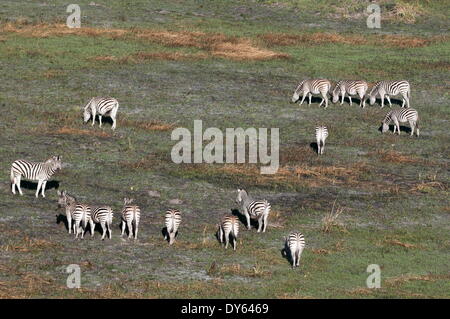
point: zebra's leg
(303, 98)
(396, 123)
(220, 234)
(18, 184)
(266, 218)
(113, 117)
(382, 100)
(130, 228)
(109, 229)
(69, 222)
(13, 185)
(93, 111)
(100, 120)
(310, 97)
(38, 187)
(247, 216)
(389, 100)
(76, 228)
(103, 225)
(395, 128)
(227, 238)
(350, 98)
(412, 124)
(342, 99)
(234, 242)
(44, 183)
(260, 223)
(172, 238)
(136, 230)
(123, 228)
(92, 227)
(293, 256)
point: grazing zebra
(295, 244)
(387, 88)
(131, 214)
(103, 215)
(310, 87)
(321, 136)
(40, 171)
(172, 221)
(350, 88)
(79, 214)
(229, 225)
(103, 106)
(255, 209)
(400, 116)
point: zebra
(103, 215)
(294, 244)
(310, 87)
(350, 88)
(131, 214)
(400, 116)
(40, 171)
(321, 136)
(103, 106)
(172, 221)
(387, 88)
(229, 225)
(255, 209)
(80, 214)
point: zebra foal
(310, 87)
(401, 116)
(101, 106)
(40, 171)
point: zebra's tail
(417, 126)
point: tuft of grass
(330, 221)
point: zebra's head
(55, 162)
(65, 199)
(86, 114)
(384, 127)
(241, 194)
(335, 94)
(296, 95)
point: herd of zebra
(80, 215)
(383, 89)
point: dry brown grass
(53, 73)
(396, 242)
(148, 162)
(330, 221)
(393, 157)
(150, 56)
(426, 187)
(214, 44)
(395, 281)
(27, 244)
(406, 12)
(154, 125)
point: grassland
(230, 64)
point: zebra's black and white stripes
(172, 222)
(228, 227)
(295, 243)
(40, 171)
(321, 136)
(387, 88)
(103, 215)
(310, 87)
(259, 210)
(350, 88)
(101, 106)
(400, 116)
(131, 214)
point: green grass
(394, 189)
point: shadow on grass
(243, 219)
(33, 185)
